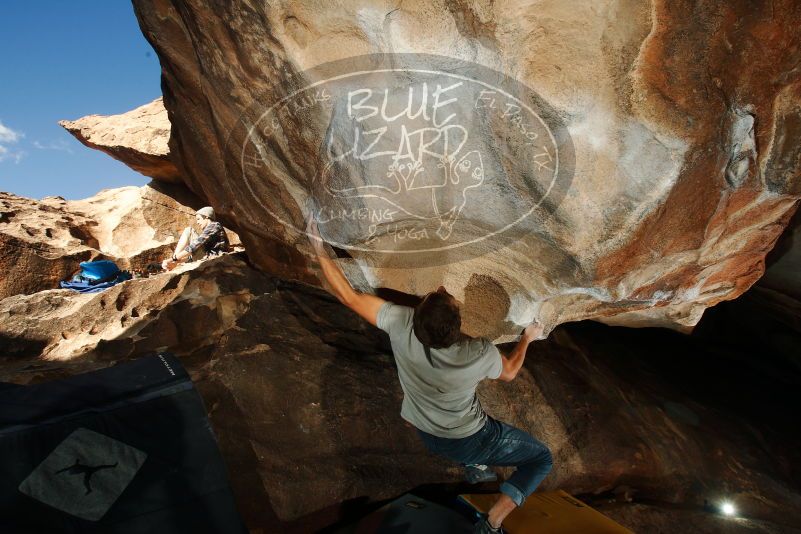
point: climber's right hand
(534, 331)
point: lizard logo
(87, 471)
(408, 154)
(420, 169)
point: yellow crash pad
(552, 512)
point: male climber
(206, 238)
(439, 369)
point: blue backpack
(96, 276)
(98, 269)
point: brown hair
(436, 321)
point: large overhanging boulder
(629, 162)
(137, 138)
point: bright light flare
(728, 509)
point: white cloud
(10, 137)
(58, 144)
(7, 135)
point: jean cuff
(515, 494)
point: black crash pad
(126, 449)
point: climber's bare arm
(364, 304)
(514, 360)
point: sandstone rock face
(139, 225)
(614, 160)
(138, 138)
(43, 241)
(40, 243)
(304, 398)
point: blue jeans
(499, 444)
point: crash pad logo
(86, 471)
(409, 154)
(84, 475)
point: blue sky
(64, 60)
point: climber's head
(204, 216)
(437, 320)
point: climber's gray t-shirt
(439, 397)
